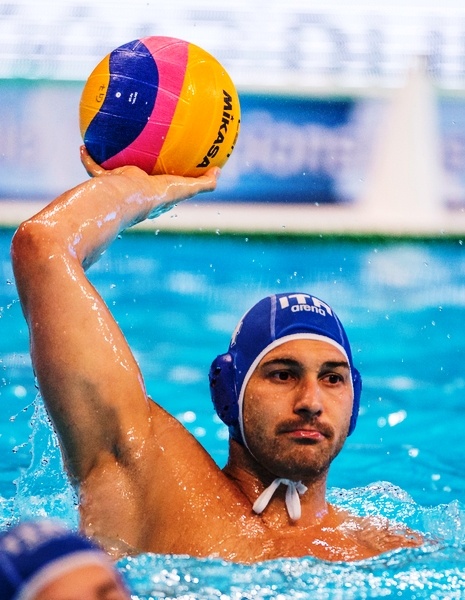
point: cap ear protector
(224, 393)
(225, 397)
(357, 385)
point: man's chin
(299, 461)
(302, 471)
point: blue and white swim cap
(35, 554)
(273, 321)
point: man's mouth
(306, 432)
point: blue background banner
(291, 149)
(298, 149)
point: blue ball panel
(129, 101)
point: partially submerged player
(287, 388)
(42, 560)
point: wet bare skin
(223, 525)
(203, 511)
(146, 484)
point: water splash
(43, 488)
(430, 572)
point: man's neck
(252, 479)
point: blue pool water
(178, 297)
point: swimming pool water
(178, 298)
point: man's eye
(334, 378)
(281, 375)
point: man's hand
(165, 190)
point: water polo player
(41, 560)
(287, 388)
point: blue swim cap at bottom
(34, 554)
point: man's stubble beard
(298, 460)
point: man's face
(297, 408)
(93, 582)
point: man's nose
(308, 397)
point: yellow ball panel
(206, 122)
(94, 93)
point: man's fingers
(92, 168)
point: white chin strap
(294, 488)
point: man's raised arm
(86, 372)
